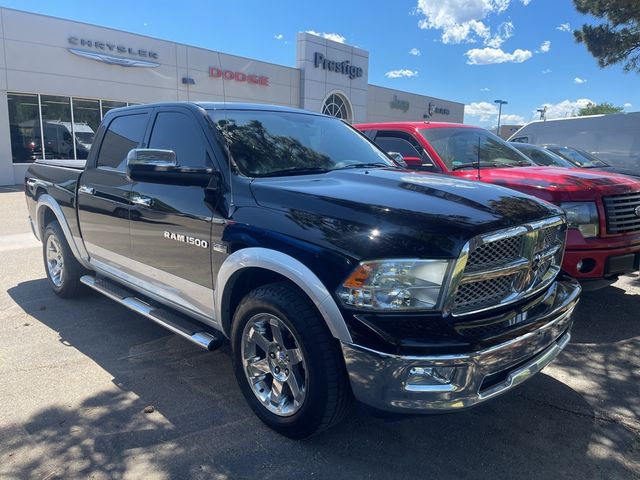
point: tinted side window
(178, 132)
(124, 133)
(400, 145)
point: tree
(617, 40)
(599, 109)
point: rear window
(264, 143)
(124, 133)
(472, 147)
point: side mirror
(398, 158)
(148, 157)
(161, 166)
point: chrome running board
(172, 321)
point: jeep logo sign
(344, 68)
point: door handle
(142, 200)
(86, 189)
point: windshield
(264, 143)
(579, 157)
(472, 147)
(543, 157)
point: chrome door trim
(189, 297)
(154, 292)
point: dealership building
(59, 77)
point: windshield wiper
(365, 165)
(294, 171)
(475, 165)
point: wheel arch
(48, 209)
(269, 264)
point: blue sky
(458, 41)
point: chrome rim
(55, 262)
(274, 364)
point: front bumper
(606, 262)
(383, 380)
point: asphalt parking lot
(76, 376)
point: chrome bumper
(383, 381)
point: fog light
(579, 265)
(430, 375)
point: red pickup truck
(603, 209)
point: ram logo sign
(179, 237)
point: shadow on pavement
(11, 188)
(202, 428)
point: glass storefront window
(86, 118)
(24, 127)
(66, 123)
(56, 127)
(109, 105)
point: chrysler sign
(101, 51)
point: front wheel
(287, 364)
(63, 270)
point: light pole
(500, 103)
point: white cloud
(483, 110)
(566, 108)
(485, 89)
(545, 46)
(488, 112)
(336, 37)
(488, 56)
(628, 105)
(401, 73)
(564, 27)
(512, 119)
(546, 71)
(279, 36)
(416, 52)
(579, 81)
(505, 32)
(525, 2)
(461, 20)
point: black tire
(328, 393)
(68, 285)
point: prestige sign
(344, 67)
(238, 76)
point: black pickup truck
(332, 271)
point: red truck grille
(623, 213)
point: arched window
(337, 105)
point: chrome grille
(506, 266)
(623, 213)
(496, 252)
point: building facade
(59, 77)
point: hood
(557, 184)
(619, 171)
(391, 213)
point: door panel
(171, 224)
(104, 191)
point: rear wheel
(63, 270)
(287, 364)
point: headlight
(395, 285)
(583, 216)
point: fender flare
(292, 269)
(47, 201)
